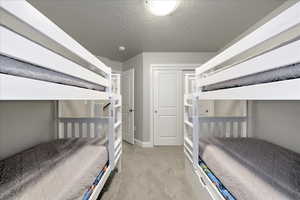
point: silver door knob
(155, 111)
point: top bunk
(39, 61)
(264, 64)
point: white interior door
(127, 91)
(167, 107)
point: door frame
(153, 67)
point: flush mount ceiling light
(162, 7)
(122, 48)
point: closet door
(167, 106)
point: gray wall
(278, 122)
(229, 108)
(114, 65)
(24, 124)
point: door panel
(167, 91)
(167, 128)
(128, 106)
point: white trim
(284, 21)
(33, 53)
(26, 13)
(143, 144)
(153, 67)
(283, 56)
(19, 88)
(281, 90)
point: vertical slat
(111, 134)
(244, 129)
(196, 132)
(65, 134)
(239, 129)
(73, 130)
(219, 130)
(223, 128)
(88, 129)
(215, 125)
(210, 129)
(80, 128)
(231, 129)
(227, 126)
(96, 132)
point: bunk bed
(227, 161)
(39, 61)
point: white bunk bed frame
(86, 67)
(194, 121)
(286, 24)
(12, 88)
(71, 126)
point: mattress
(278, 74)
(15, 67)
(60, 170)
(253, 169)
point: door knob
(155, 111)
(131, 110)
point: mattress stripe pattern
(278, 74)
(19, 68)
(91, 189)
(221, 188)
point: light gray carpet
(150, 174)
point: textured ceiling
(198, 25)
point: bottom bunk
(249, 169)
(61, 169)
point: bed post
(195, 132)
(56, 119)
(249, 118)
(111, 131)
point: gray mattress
(19, 68)
(60, 170)
(253, 169)
(279, 74)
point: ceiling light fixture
(162, 7)
(122, 48)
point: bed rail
(82, 127)
(271, 47)
(189, 88)
(104, 120)
(200, 126)
(223, 126)
(40, 26)
(115, 121)
(285, 21)
(48, 49)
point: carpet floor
(150, 174)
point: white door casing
(127, 91)
(167, 89)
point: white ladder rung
(189, 123)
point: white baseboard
(143, 144)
